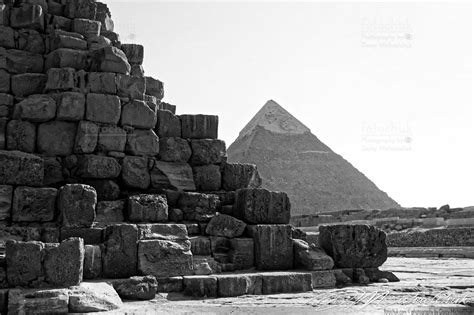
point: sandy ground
(427, 287)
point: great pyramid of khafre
(291, 159)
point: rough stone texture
(27, 84)
(136, 288)
(111, 138)
(135, 172)
(23, 262)
(133, 52)
(36, 108)
(175, 215)
(273, 246)
(360, 277)
(67, 58)
(7, 37)
(375, 274)
(198, 207)
(199, 126)
(18, 168)
(71, 106)
(30, 40)
(102, 82)
(110, 59)
(167, 124)
(34, 204)
(200, 286)
(207, 177)
(142, 143)
(174, 150)
(261, 206)
(431, 238)
(109, 212)
(147, 208)
(38, 301)
(84, 9)
(3, 127)
(354, 246)
(311, 258)
(178, 176)
(242, 253)
(137, 114)
(323, 279)
(21, 136)
(19, 61)
(237, 285)
(106, 189)
(167, 232)
(170, 284)
(286, 282)
(120, 254)
(5, 80)
(86, 137)
(93, 297)
(207, 151)
(91, 236)
(61, 79)
(86, 27)
(154, 87)
(63, 264)
(103, 108)
(92, 261)
(225, 225)
(132, 86)
(76, 204)
(27, 16)
(6, 200)
(56, 138)
(162, 258)
(238, 176)
(99, 167)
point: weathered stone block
(23, 263)
(71, 106)
(61, 79)
(67, 58)
(63, 263)
(198, 207)
(323, 279)
(135, 172)
(273, 246)
(109, 212)
(199, 126)
(311, 258)
(285, 282)
(137, 114)
(200, 286)
(147, 208)
(136, 288)
(93, 297)
(19, 61)
(112, 138)
(27, 84)
(170, 284)
(137, 70)
(174, 150)
(225, 225)
(6, 198)
(261, 206)
(207, 177)
(237, 285)
(207, 151)
(109, 59)
(177, 176)
(91, 236)
(18, 168)
(7, 37)
(238, 176)
(142, 142)
(61, 23)
(120, 255)
(106, 189)
(167, 125)
(92, 261)
(168, 107)
(86, 27)
(166, 232)
(84, 9)
(102, 82)
(27, 16)
(131, 86)
(21, 136)
(34, 204)
(242, 253)
(354, 246)
(38, 301)
(201, 245)
(30, 40)
(103, 108)
(36, 108)
(56, 138)
(175, 215)
(77, 205)
(99, 167)
(134, 53)
(58, 41)
(86, 137)
(5, 79)
(103, 15)
(154, 87)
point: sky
(386, 85)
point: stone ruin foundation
(100, 179)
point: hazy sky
(386, 85)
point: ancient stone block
(172, 175)
(103, 108)
(311, 258)
(106, 189)
(27, 16)
(207, 151)
(174, 150)
(200, 286)
(273, 246)
(27, 84)
(93, 297)
(225, 225)
(91, 236)
(103, 15)
(63, 264)
(67, 58)
(170, 284)
(109, 59)
(5, 79)
(19, 61)
(58, 41)
(238, 176)
(137, 70)
(131, 86)
(242, 253)
(4, 14)
(92, 261)
(167, 125)
(23, 263)
(71, 106)
(198, 207)
(167, 232)
(34, 204)
(135, 172)
(18, 168)
(207, 177)
(102, 82)
(199, 126)
(25, 301)
(147, 208)
(21, 136)
(6, 198)
(154, 87)
(354, 246)
(134, 53)
(111, 138)
(61, 79)
(175, 215)
(99, 167)
(30, 40)
(201, 245)
(142, 142)
(136, 288)
(109, 212)
(84, 9)
(286, 282)
(237, 285)
(7, 37)
(36, 108)
(56, 138)
(323, 279)
(168, 107)
(137, 114)
(261, 206)
(76, 204)
(61, 22)
(120, 254)
(86, 137)
(86, 27)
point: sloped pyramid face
(291, 159)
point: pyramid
(290, 158)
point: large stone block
(273, 246)
(131, 86)
(91, 297)
(261, 206)
(21, 136)
(18, 168)
(238, 176)
(63, 263)
(207, 151)
(31, 40)
(111, 138)
(198, 207)
(137, 114)
(167, 232)
(19, 61)
(147, 208)
(207, 177)
(106, 189)
(71, 106)
(92, 261)
(67, 58)
(102, 82)
(27, 16)
(134, 53)
(86, 137)
(7, 37)
(136, 288)
(58, 41)
(199, 126)
(34, 204)
(27, 84)
(242, 253)
(168, 107)
(36, 108)
(109, 212)
(237, 285)
(6, 200)
(167, 125)
(103, 15)
(120, 254)
(154, 87)
(201, 245)
(323, 279)
(311, 258)
(174, 150)
(354, 246)
(135, 172)
(76, 204)
(99, 167)
(103, 108)
(61, 79)
(83, 9)
(225, 225)
(86, 27)
(25, 301)
(23, 263)
(110, 59)
(142, 142)
(178, 176)
(170, 284)
(200, 286)
(53, 171)
(56, 138)
(286, 282)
